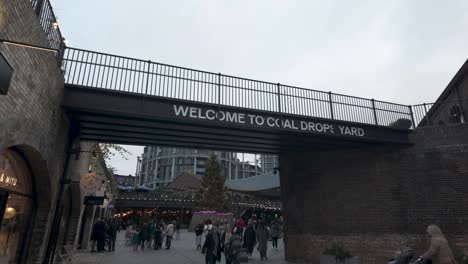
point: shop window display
(15, 206)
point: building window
(456, 116)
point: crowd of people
(236, 241)
(149, 234)
(153, 234)
(104, 233)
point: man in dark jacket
(209, 248)
(100, 234)
(198, 235)
(112, 228)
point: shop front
(16, 206)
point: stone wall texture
(31, 119)
(376, 200)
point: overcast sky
(399, 51)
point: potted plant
(337, 254)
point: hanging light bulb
(10, 212)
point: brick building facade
(374, 199)
(34, 133)
(32, 123)
(378, 199)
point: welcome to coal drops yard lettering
(265, 121)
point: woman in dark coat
(262, 237)
(158, 238)
(144, 235)
(250, 238)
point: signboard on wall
(93, 200)
(6, 72)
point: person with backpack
(234, 251)
(209, 248)
(198, 235)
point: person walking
(233, 250)
(169, 234)
(158, 237)
(250, 238)
(275, 233)
(94, 237)
(239, 225)
(225, 239)
(217, 242)
(209, 247)
(262, 237)
(208, 226)
(151, 229)
(112, 228)
(439, 251)
(198, 235)
(144, 235)
(136, 239)
(100, 229)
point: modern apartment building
(158, 166)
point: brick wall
(376, 199)
(31, 119)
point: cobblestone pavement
(182, 252)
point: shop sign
(94, 200)
(6, 72)
(267, 121)
(7, 179)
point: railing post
(375, 112)
(425, 111)
(147, 75)
(412, 116)
(219, 89)
(278, 86)
(332, 116)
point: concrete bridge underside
(126, 118)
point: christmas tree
(211, 194)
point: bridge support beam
(376, 200)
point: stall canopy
(143, 188)
(125, 188)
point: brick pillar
(376, 199)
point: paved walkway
(182, 252)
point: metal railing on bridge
(118, 73)
(49, 24)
